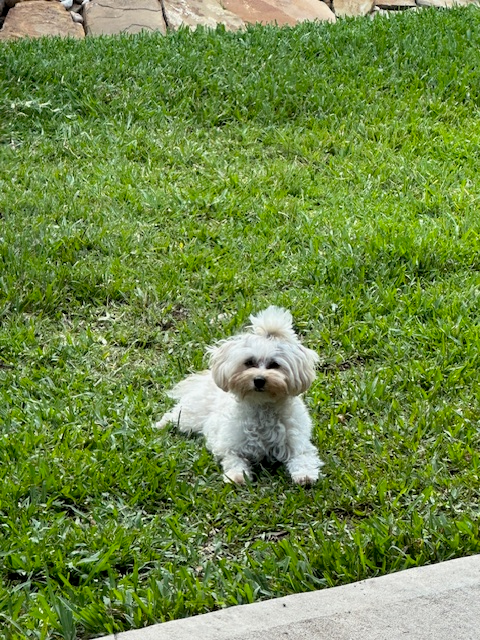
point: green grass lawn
(154, 191)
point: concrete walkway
(438, 602)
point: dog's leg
(235, 469)
(304, 467)
(172, 416)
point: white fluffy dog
(247, 404)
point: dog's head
(267, 364)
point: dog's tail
(274, 322)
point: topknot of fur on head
(274, 322)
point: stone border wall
(77, 18)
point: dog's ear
(303, 364)
(220, 366)
(312, 358)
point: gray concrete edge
(428, 581)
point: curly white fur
(247, 404)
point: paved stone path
(77, 18)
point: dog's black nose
(259, 382)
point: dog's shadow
(266, 469)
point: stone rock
(353, 8)
(76, 17)
(307, 10)
(261, 11)
(444, 4)
(379, 12)
(108, 17)
(12, 3)
(280, 12)
(395, 4)
(37, 18)
(191, 13)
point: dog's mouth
(261, 395)
(270, 387)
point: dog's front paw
(235, 477)
(304, 479)
(305, 467)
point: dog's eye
(273, 365)
(249, 363)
